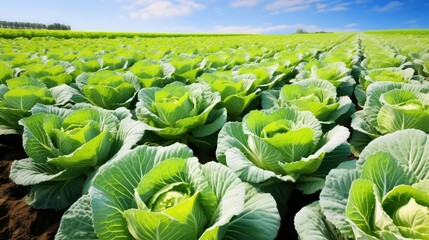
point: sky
(220, 16)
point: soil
(17, 219)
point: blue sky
(238, 16)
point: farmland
(172, 136)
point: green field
(206, 136)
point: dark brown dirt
(17, 219)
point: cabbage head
(336, 73)
(384, 195)
(186, 67)
(367, 78)
(108, 89)
(317, 96)
(266, 76)
(236, 92)
(378, 60)
(165, 193)
(52, 73)
(16, 100)
(283, 145)
(66, 146)
(179, 111)
(152, 73)
(390, 107)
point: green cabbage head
(390, 107)
(384, 195)
(237, 92)
(66, 146)
(282, 145)
(16, 100)
(266, 76)
(165, 193)
(367, 78)
(379, 60)
(108, 89)
(314, 95)
(52, 73)
(179, 111)
(151, 73)
(336, 73)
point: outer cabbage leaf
(310, 223)
(76, 222)
(6, 72)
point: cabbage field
(309, 136)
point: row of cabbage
(384, 194)
(279, 116)
(9, 33)
(414, 48)
(382, 94)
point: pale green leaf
(76, 223)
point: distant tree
(58, 26)
(300, 31)
(28, 25)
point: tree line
(28, 25)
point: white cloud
(321, 6)
(362, 1)
(297, 8)
(243, 3)
(388, 7)
(300, 5)
(334, 7)
(288, 4)
(283, 28)
(351, 25)
(412, 23)
(148, 9)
